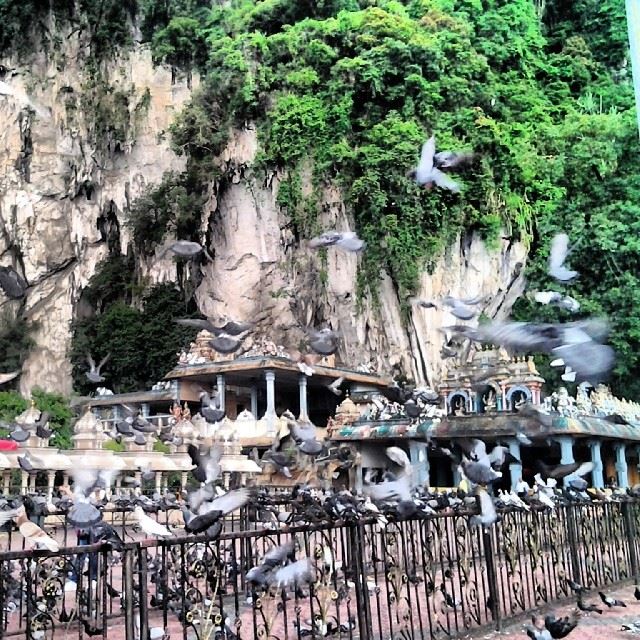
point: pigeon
(207, 466)
(459, 309)
(324, 341)
(197, 323)
(425, 304)
(479, 472)
(609, 601)
(296, 573)
(397, 455)
(210, 409)
(564, 470)
(12, 283)
(94, 374)
(33, 534)
(304, 435)
(588, 607)
(346, 240)
(557, 256)
(488, 514)
(561, 627)
(186, 249)
(557, 299)
(281, 461)
(430, 169)
(8, 377)
(19, 434)
(225, 344)
(149, 525)
(334, 387)
(574, 586)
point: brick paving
(592, 626)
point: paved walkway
(592, 626)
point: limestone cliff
(69, 172)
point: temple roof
(243, 372)
(491, 427)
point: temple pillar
(270, 414)
(51, 480)
(254, 401)
(515, 468)
(620, 449)
(419, 462)
(302, 386)
(144, 408)
(566, 452)
(24, 482)
(184, 477)
(6, 481)
(597, 478)
(457, 478)
(158, 479)
(221, 389)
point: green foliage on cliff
(350, 90)
(142, 342)
(12, 404)
(173, 205)
(15, 342)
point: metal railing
(433, 577)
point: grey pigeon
(459, 309)
(186, 249)
(225, 344)
(347, 240)
(324, 342)
(12, 283)
(94, 374)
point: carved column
(24, 482)
(622, 470)
(51, 480)
(515, 468)
(222, 388)
(419, 462)
(456, 474)
(566, 452)
(597, 478)
(158, 479)
(145, 409)
(6, 481)
(302, 386)
(270, 415)
(254, 401)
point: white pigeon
(426, 174)
(149, 525)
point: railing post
(356, 536)
(492, 577)
(127, 580)
(142, 592)
(572, 533)
(630, 531)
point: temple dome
(28, 417)
(347, 409)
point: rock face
(68, 173)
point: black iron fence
(434, 577)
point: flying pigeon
(557, 256)
(94, 374)
(347, 240)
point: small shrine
(491, 382)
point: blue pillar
(515, 468)
(419, 462)
(620, 449)
(145, 409)
(456, 474)
(566, 452)
(270, 414)
(597, 479)
(221, 389)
